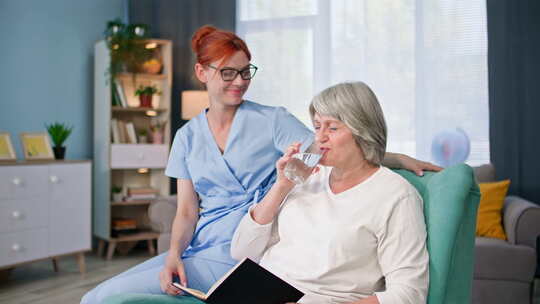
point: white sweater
(339, 248)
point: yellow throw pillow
(488, 222)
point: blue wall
(46, 66)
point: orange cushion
(489, 220)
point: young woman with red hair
(223, 161)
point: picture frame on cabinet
(36, 146)
(7, 153)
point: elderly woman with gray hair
(354, 232)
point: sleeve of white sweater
(402, 253)
(251, 238)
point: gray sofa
(161, 214)
(503, 271)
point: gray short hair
(354, 104)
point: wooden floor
(37, 283)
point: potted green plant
(127, 46)
(116, 194)
(143, 136)
(145, 94)
(59, 132)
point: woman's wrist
(393, 160)
(265, 211)
(284, 186)
(174, 252)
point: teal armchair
(451, 200)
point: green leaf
(59, 132)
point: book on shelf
(132, 136)
(141, 190)
(115, 132)
(247, 282)
(115, 99)
(141, 193)
(121, 94)
(124, 224)
(136, 197)
(129, 89)
(122, 130)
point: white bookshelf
(121, 164)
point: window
(425, 60)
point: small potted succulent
(117, 194)
(59, 132)
(145, 94)
(157, 130)
(143, 136)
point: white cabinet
(45, 211)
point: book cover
(115, 100)
(132, 136)
(140, 197)
(141, 190)
(114, 131)
(247, 282)
(122, 131)
(121, 94)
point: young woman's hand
(402, 161)
(173, 266)
(417, 166)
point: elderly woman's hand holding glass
(297, 166)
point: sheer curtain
(426, 60)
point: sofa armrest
(161, 214)
(521, 221)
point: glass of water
(299, 168)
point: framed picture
(36, 146)
(6, 148)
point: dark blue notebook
(247, 282)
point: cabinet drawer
(71, 209)
(18, 247)
(21, 214)
(139, 156)
(23, 181)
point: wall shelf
(117, 109)
(139, 76)
(132, 203)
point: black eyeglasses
(229, 74)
